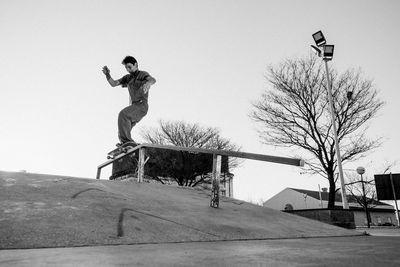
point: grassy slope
(56, 211)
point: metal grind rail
(216, 169)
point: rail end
(302, 162)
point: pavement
(380, 231)
(328, 251)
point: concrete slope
(56, 211)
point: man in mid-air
(138, 83)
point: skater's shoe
(130, 143)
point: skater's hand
(106, 70)
(146, 87)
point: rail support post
(215, 182)
(141, 163)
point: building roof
(338, 197)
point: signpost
(388, 188)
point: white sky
(58, 114)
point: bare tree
(354, 188)
(187, 169)
(365, 195)
(294, 112)
(363, 192)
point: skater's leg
(124, 126)
(127, 118)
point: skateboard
(121, 149)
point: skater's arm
(110, 80)
(149, 82)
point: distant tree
(187, 169)
(367, 198)
(355, 189)
(294, 112)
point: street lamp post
(361, 171)
(327, 55)
(339, 158)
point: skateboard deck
(121, 149)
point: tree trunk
(332, 191)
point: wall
(342, 218)
(360, 218)
(294, 198)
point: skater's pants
(128, 117)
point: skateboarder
(138, 83)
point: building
(300, 199)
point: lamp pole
(360, 171)
(327, 54)
(339, 158)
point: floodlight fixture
(319, 38)
(328, 52)
(316, 50)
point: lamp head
(360, 170)
(319, 38)
(328, 52)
